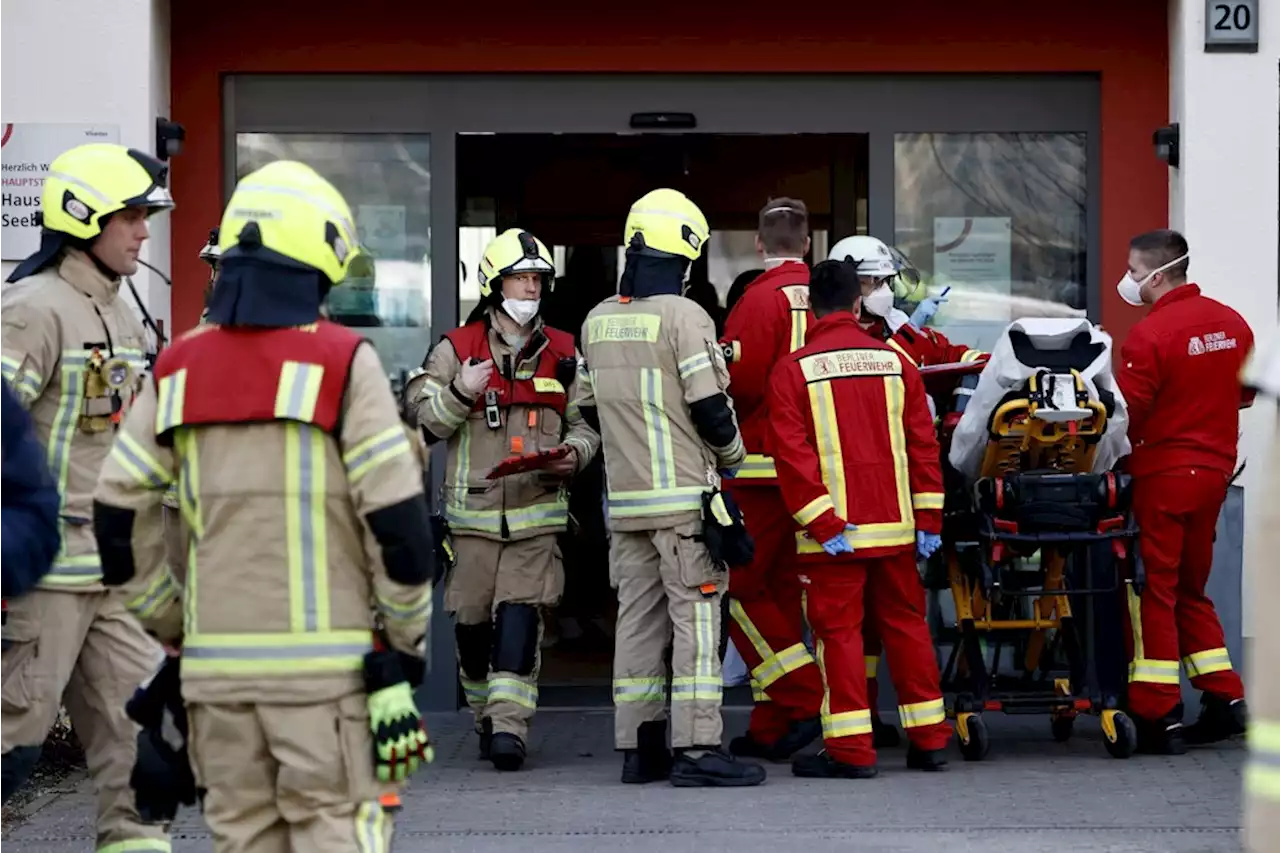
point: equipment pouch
(566, 370)
(725, 533)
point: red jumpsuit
(769, 321)
(922, 347)
(854, 442)
(1179, 372)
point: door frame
(446, 105)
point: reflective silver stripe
(374, 451)
(87, 187)
(310, 199)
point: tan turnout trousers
(499, 648)
(289, 778)
(85, 650)
(668, 594)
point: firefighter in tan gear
(502, 386)
(1262, 772)
(309, 571)
(655, 386)
(73, 353)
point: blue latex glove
(926, 309)
(839, 544)
(727, 473)
(926, 544)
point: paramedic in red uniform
(877, 266)
(769, 321)
(1179, 372)
(859, 469)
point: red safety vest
(543, 388)
(215, 375)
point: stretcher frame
(981, 554)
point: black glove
(161, 777)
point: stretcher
(1036, 530)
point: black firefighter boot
(713, 767)
(823, 766)
(884, 735)
(485, 733)
(1219, 719)
(1164, 736)
(650, 761)
(799, 734)
(506, 751)
(930, 760)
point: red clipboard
(528, 462)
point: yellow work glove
(400, 741)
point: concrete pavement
(1030, 795)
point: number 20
(1235, 16)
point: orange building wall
(1125, 42)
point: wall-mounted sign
(1231, 26)
(26, 150)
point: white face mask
(879, 302)
(1131, 291)
(521, 310)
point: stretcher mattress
(1005, 372)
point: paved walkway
(1030, 795)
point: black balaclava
(255, 291)
(52, 246)
(650, 274)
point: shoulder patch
(797, 296)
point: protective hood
(51, 245)
(254, 292)
(650, 275)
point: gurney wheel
(974, 740)
(1063, 727)
(1120, 735)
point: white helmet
(873, 258)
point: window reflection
(1000, 218)
(386, 179)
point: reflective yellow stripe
(918, 714)
(441, 411)
(1262, 772)
(811, 511)
(902, 351)
(799, 328)
(654, 502)
(926, 500)
(894, 398)
(137, 845)
(693, 364)
(639, 690)
(461, 470)
(1154, 671)
(780, 665)
(477, 692)
(705, 685)
(754, 637)
(883, 535)
(305, 530)
(67, 570)
(373, 827)
(26, 383)
(162, 589)
(758, 694)
(846, 724)
(275, 654)
(872, 664)
(972, 355)
(552, 516)
(757, 465)
(297, 390)
(372, 452)
(830, 453)
(513, 690)
(171, 394)
(662, 462)
(192, 512)
(416, 613)
(1206, 662)
(145, 469)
